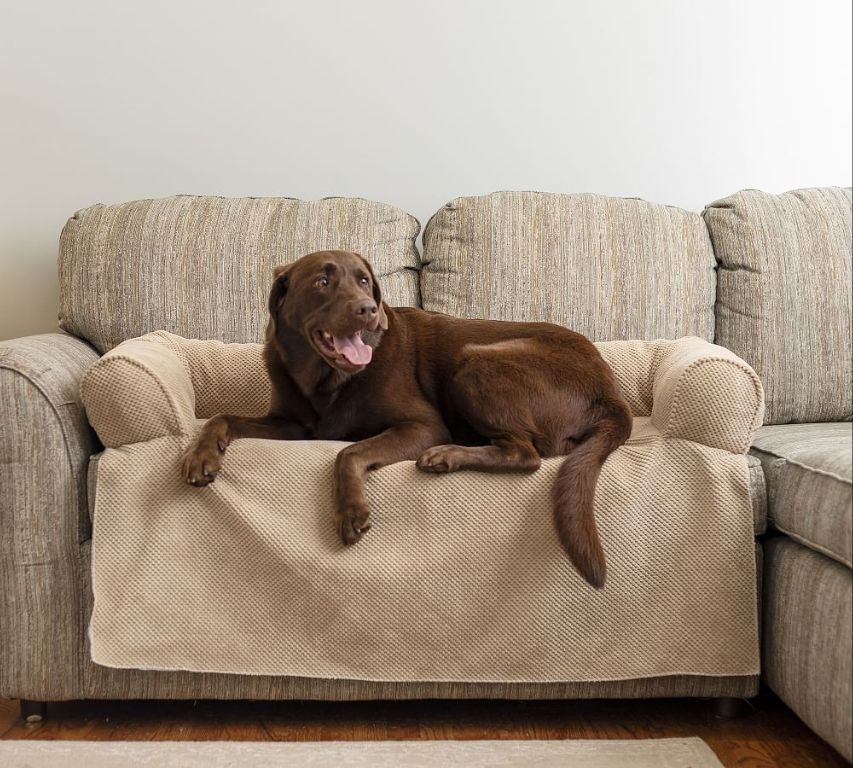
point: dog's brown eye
(364, 281)
(322, 282)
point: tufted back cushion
(784, 296)
(610, 268)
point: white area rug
(651, 753)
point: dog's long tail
(574, 490)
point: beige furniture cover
(461, 577)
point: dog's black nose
(365, 310)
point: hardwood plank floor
(769, 736)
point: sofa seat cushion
(808, 473)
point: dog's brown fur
(452, 394)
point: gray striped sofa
(784, 304)
(767, 276)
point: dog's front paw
(352, 519)
(201, 464)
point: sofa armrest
(160, 383)
(45, 445)
(705, 393)
(138, 391)
(691, 388)
(45, 441)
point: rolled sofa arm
(45, 445)
(692, 389)
(160, 383)
(707, 394)
(138, 391)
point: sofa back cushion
(610, 268)
(784, 296)
(201, 267)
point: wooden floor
(769, 736)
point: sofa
(784, 304)
(758, 281)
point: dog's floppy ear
(377, 296)
(280, 284)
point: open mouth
(348, 350)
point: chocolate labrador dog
(408, 384)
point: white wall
(676, 101)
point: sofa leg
(33, 711)
(727, 707)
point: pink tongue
(353, 349)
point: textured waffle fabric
(461, 577)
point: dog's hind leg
(489, 394)
(508, 453)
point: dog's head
(333, 300)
